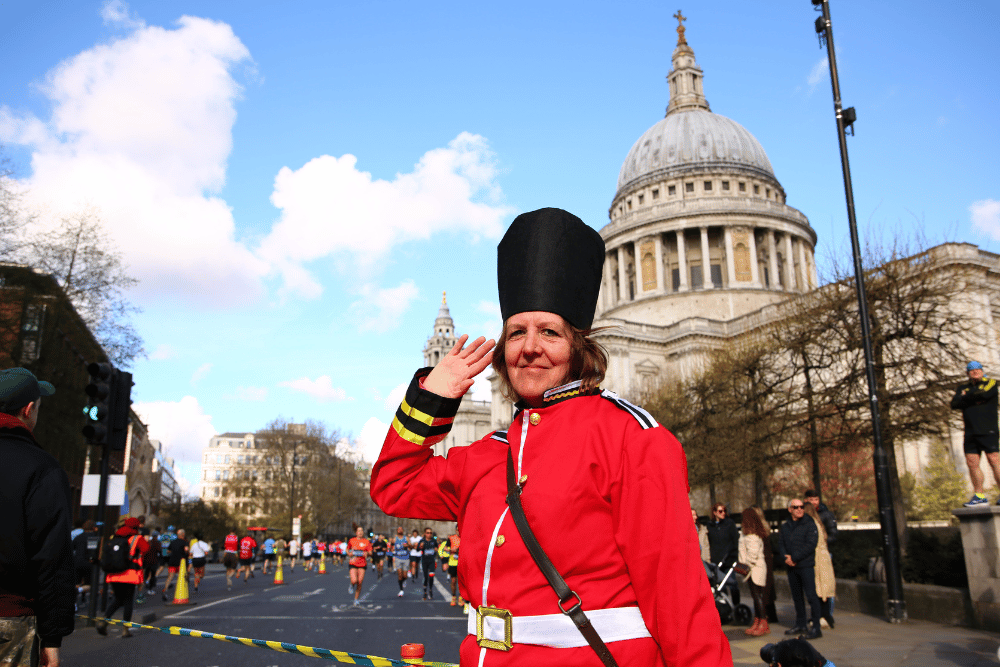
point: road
(309, 609)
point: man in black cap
(37, 591)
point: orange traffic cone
(412, 653)
(181, 593)
(279, 577)
(322, 563)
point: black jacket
(798, 539)
(36, 558)
(829, 522)
(978, 403)
(723, 542)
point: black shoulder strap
(552, 575)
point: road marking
(204, 606)
(445, 593)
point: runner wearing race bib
(379, 547)
(293, 552)
(401, 554)
(454, 541)
(358, 547)
(307, 548)
(428, 561)
(414, 554)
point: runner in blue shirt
(401, 555)
(269, 556)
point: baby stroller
(720, 581)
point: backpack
(117, 556)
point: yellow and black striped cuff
(424, 418)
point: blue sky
(295, 187)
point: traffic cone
(322, 563)
(279, 577)
(181, 592)
(412, 653)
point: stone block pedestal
(980, 527)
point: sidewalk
(866, 641)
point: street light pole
(895, 605)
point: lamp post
(895, 605)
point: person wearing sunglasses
(723, 544)
(797, 539)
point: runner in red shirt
(358, 547)
(321, 549)
(229, 558)
(247, 547)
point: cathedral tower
(443, 338)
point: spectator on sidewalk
(724, 544)
(798, 538)
(755, 551)
(125, 582)
(826, 582)
(977, 399)
(830, 528)
(36, 558)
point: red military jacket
(602, 476)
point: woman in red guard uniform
(580, 460)
(358, 547)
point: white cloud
(492, 326)
(329, 207)
(369, 442)
(116, 12)
(379, 309)
(986, 216)
(818, 72)
(321, 388)
(395, 397)
(141, 129)
(182, 426)
(163, 352)
(200, 373)
(251, 393)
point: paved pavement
(315, 610)
(865, 641)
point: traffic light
(121, 392)
(98, 410)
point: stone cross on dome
(680, 27)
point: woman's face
(537, 354)
(360, 532)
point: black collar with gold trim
(560, 394)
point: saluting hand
(456, 372)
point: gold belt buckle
(494, 612)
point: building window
(696, 282)
(225, 459)
(756, 189)
(216, 492)
(689, 187)
(671, 190)
(656, 194)
(708, 186)
(225, 474)
(218, 475)
(725, 185)
(768, 193)
(743, 186)
(641, 197)
(239, 459)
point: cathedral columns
(790, 265)
(772, 259)
(706, 261)
(804, 265)
(658, 256)
(754, 267)
(730, 264)
(609, 287)
(682, 264)
(622, 287)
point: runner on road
(269, 557)
(379, 547)
(401, 554)
(359, 547)
(229, 558)
(455, 541)
(428, 561)
(307, 549)
(414, 554)
(293, 552)
(247, 547)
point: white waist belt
(559, 631)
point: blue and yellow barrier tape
(282, 647)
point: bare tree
(94, 277)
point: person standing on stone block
(977, 399)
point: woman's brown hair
(588, 362)
(752, 524)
